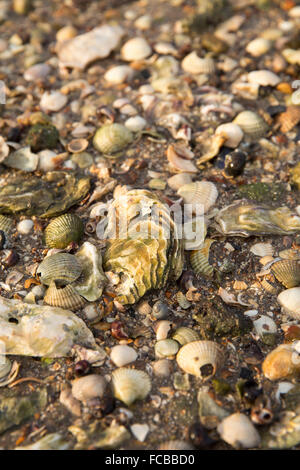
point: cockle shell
(89, 387)
(175, 182)
(6, 223)
(63, 268)
(263, 78)
(244, 219)
(175, 445)
(112, 138)
(148, 252)
(290, 302)
(194, 356)
(185, 335)
(258, 46)
(65, 297)
(282, 362)
(166, 347)
(121, 355)
(130, 385)
(253, 125)
(289, 118)
(232, 134)
(238, 431)
(201, 195)
(287, 271)
(135, 49)
(262, 249)
(63, 230)
(199, 259)
(194, 64)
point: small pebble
(25, 226)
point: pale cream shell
(290, 301)
(184, 335)
(193, 356)
(263, 78)
(201, 194)
(194, 64)
(130, 385)
(232, 132)
(89, 387)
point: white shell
(143, 22)
(25, 226)
(22, 159)
(135, 124)
(121, 355)
(289, 299)
(53, 101)
(262, 249)
(295, 12)
(201, 195)
(231, 132)
(162, 329)
(193, 356)
(4, 149)
(166, 347)
(162, 368)
(292, 56)
(140, 431)
(135, 49)
(263, 78)
(238, 431)
(130, 385)
(119, 74)
(175, 182)
(37, 72)
(258, 47)
(264, 325)
(194, 64)
(89, 387)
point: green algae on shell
(42, 136)
(44, 196)
(63, 230)
(112, 138)
(261, 192)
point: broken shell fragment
(175, 182)
(6, 223)
(63, 230)
(180, 157)
(130, 385)
(238, 431)
(65, 297)
(290, 302)
(194, 64)
(4, 149)
(253, 125)
(287, 271)
(175, 445)
(77, 145)
(258, 46)
(232, 134)
(63, 268)
(121, 355)
(92, 279)
(262, 249)
(112, 138)
(263, 78)
(200, 358)
(289, 118)
(53, 101)
(22, 159)
(135, 49)
(283, 362)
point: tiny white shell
(162, 329)
(258, 47)
(166, 347)
(231, 132)
(162, 368)
(121, 355)
(175, 182)
(119, 74)
(136, 123)
(25, 226)
(135, 49)
(238, 431)
(194, 64)
(53, 101)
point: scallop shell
(194, 64)
(199, 259)
(63, 230)
(65, 297)
(287, 271)
(282, 362)
(62, 268)
(263, 78)
(175, 445)
(130, 385)
(252, 124)
(232, 133)
(201, 195)
(262, 249)
(112, 138)
(258, 47)
(290, 118)
(192, 357)
(185, 335)
(149, 252)
(290, 301)
(6, 223)
(135, 49)
(165, 348)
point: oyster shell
(92, 279)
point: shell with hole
(63, 230)
(63, 268)
(145, 251)
(130, 385)
(200, 358)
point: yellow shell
(282, 362)
(130, 385)
(199, 259)
(63, 230)
(287, 271)
(194, 356)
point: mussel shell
(63, 230)
(63, 268)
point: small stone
(140, 431)
(136, 123)
(122, 355)
(42, 136)
(53, 101)
(37, 72)
(135, 49)
(25, 226)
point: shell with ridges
(253, 125)
(263, 77)
(192, 357)
(130, 385)
(175, 445)
(199, 259)
(65, 297)
(63, 230)
(63, 268)
(201, 195)
(289, 118)
(112, 138)
(262, 249)
(194, 64)
(6, 223)
(184, 335)
(287, 271)
(166, 347)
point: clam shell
(184, 335)
(65, 297)
(194, 64)
(6, 223)
(112, 138)
(166, 347)
(263, 78)
(62, 268)
(135, 49)
(121, 355)
(290, 301)
(281, 363)
(201, 195)
(63, 230)
(262, 249)
(89, 387)
(258, 47)
(78, 145)
(175, 445)
(252, 124)
(199, 259)
(238, 431)
(232, 132)
(192, 357)
(290, 118)
(130, 385)
(287, 271)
